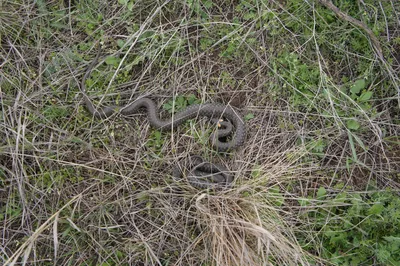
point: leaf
(321, 193)
(90, 26)
(356, 242)
(256, 171)
(130, 5)
(359, 141)
(340, 198)
(58, 25)
(383, 255)
(120, 43)
(42, 7)
(392, 239)
(180, 101)
(318, 146)
(2, 173)
(167, 106)
(393, 139)
(112, 60)
(365, 96)
(120, 254)
(376, 209)
(208, 3)
(352, 124)
(353, 148)
(274, 189)
(249, 116)
(191, 99)
(138, 59)
(232, 47)
(157, 135)
(304, 202)
(249, 15)
(358, 86)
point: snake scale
(202, 174)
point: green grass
(317, 180)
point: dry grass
(80, 191)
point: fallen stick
(374, 40)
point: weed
(354, 228)
(156, 141)
(180, 103)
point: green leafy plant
(359, 93)
(303, 78)
(356, 229)
(12, 211)
(155, 141)
(88, 19)
(180, 102)
(127, 3)
(55, 112)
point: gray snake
(202, 174)
(214, 111)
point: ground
(316, 181)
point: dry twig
(374, 40)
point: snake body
(202, 174)
(214, 111)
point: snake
(228, 122)
(202, 174)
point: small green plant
(89, 19)
(199, 7)
(300, 79)
(156, 141)
(360, 94)
(12, 211)
(180, 103)
(55, 112)
(357, 87)
(249, 116)
(316, 146)
(127, 3)
(356, 229)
